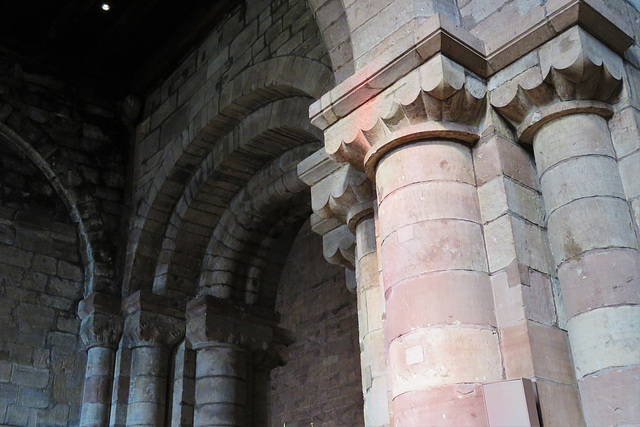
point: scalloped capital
(440, 98)
(574, 73)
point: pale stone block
(630, 174)
(593, 223)
(580, 177)
(508, 300)
(435, 246)
(625, 131)
(376, 411)
(559, 404)
(500, 241)
(147, 389)
(538, 299)
(144, 414)
(605, 338)
(424, 161)
(375, 301)
(556, 140)
(493, 199)
(373, 353)
(524, 201)
(92, 412)
(449, 200)
(218, 414)
(99, 361)
(451, 355)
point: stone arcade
(470, 167)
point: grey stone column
(100, 331)
(152, 328)
(224, 336)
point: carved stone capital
(340, 197)
(575, 74)
(438, 99)
(150, 321)
(276, 354)
(101, 321)
(212, 320)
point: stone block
(587, 224)
(559, 404)
(455, 405)
(432, 246)
(450, 200)
(630, 174)
(549, 147)
(444, 355)
(441, 298)
(30, 377)
(600, 279)
(421, 162)
(221, 390)
(625, 128)
(605, 338)
(568, 181)
(616, 390)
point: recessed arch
(85, 249)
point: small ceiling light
(105, 6)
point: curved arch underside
(257, 121)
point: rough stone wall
(320, 385)
(77, 133)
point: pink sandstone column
(596, 252)
(440, 327)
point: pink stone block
(451, 297)
(432, 246)
(600, 279)
(453, 405)
(612, 397)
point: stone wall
(75, 133)
(320, 385)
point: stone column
(224, 335)
(152, 328)
(590, 227)
(343, 202)
(440, 326)
(100, 331)
(596, 252)
(413, 140)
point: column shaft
(370, 314)
(440, 324)
(148, 387)
(596, 252)
(221, 385)
(96, 397)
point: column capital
(341, 196)
(212, 321)
(573, 73)
(439, 98)
(101, 320)
(151, 321)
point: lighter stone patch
(414, 355)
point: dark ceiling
(133, 45)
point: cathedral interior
(320, 213)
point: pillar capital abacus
(151, 321)
(101, 320)
(575, 73)
(213, 321)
